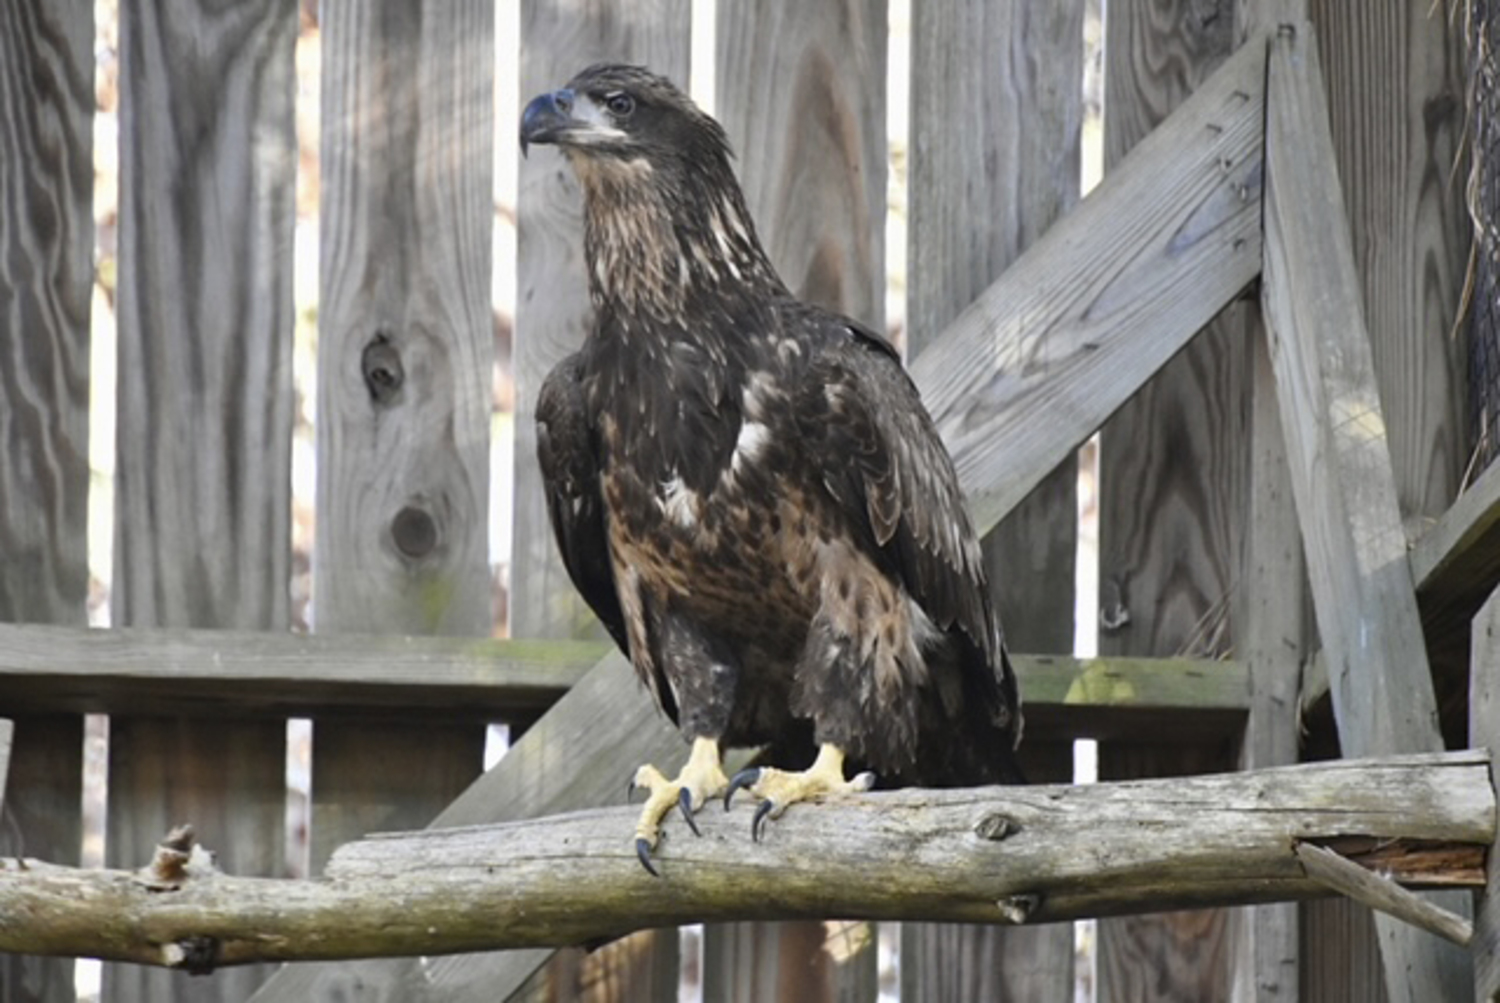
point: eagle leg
(780, 789)
(701, 778)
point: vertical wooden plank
(1396, 98)
(203, 446)
(552, 315)
(1342, 476)
(996, 113)
(800, 89)
(1484, 733)
(1272, 617)
(1272, 612)
(558, 39)
(403, 394)
(1173, 464)
(46, 274)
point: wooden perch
(989, 855)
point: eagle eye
(619, 103)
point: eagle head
(627, 113)
(665, 223)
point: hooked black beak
(546, 117)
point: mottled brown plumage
(746, 488)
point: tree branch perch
(1019, 854)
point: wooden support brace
(1341, 471)
(1348, 878)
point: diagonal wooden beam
(1101, 302)
(1029, 371)
(1342, 480)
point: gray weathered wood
(203, 444)
(1172, 477)
(7, 738)
(1484, 733)
(405, 346)
(1341, 474)
(1363, 885)
(972, 855)
(267, 673)
(46, 276)
(1272, 627)
(1395, 85)
(815, 184)
(1105, 298)
(469, 679)
(993, 161)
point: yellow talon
(780, 789)
(701, 778)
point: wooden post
(46, 280)
(996, 111)
(203, 446)
(1341, 473)
(1484, 733)
(815, 185)
(1172, 479)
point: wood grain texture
(559, 38)
(1272, 621)
(46, 274)
(954, 855)
(234, 673)
(1484, 733)
(1341, 471)
(268, 674)
(1396, 96)
(1104, 298)
(1173, 467)
(552, 314)
(203, 444)
(996, 115)
(800, 90)
(404, 358)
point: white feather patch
(679, 503)
(750, 444)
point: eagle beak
(546, 118)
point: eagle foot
(701, 778)
(780, 789)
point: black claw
(761, 811)
(742, 779)
(685, 802)
(643, 853)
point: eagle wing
(570, 475)
(885, 464)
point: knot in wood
(996, 826)
(414, 532)
(195, 955)
(380, 364)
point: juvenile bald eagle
(747, 489)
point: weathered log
(997, 854)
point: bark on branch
(1029, 854)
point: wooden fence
(1199, 554)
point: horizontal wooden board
(240, 672)
(243, 672)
